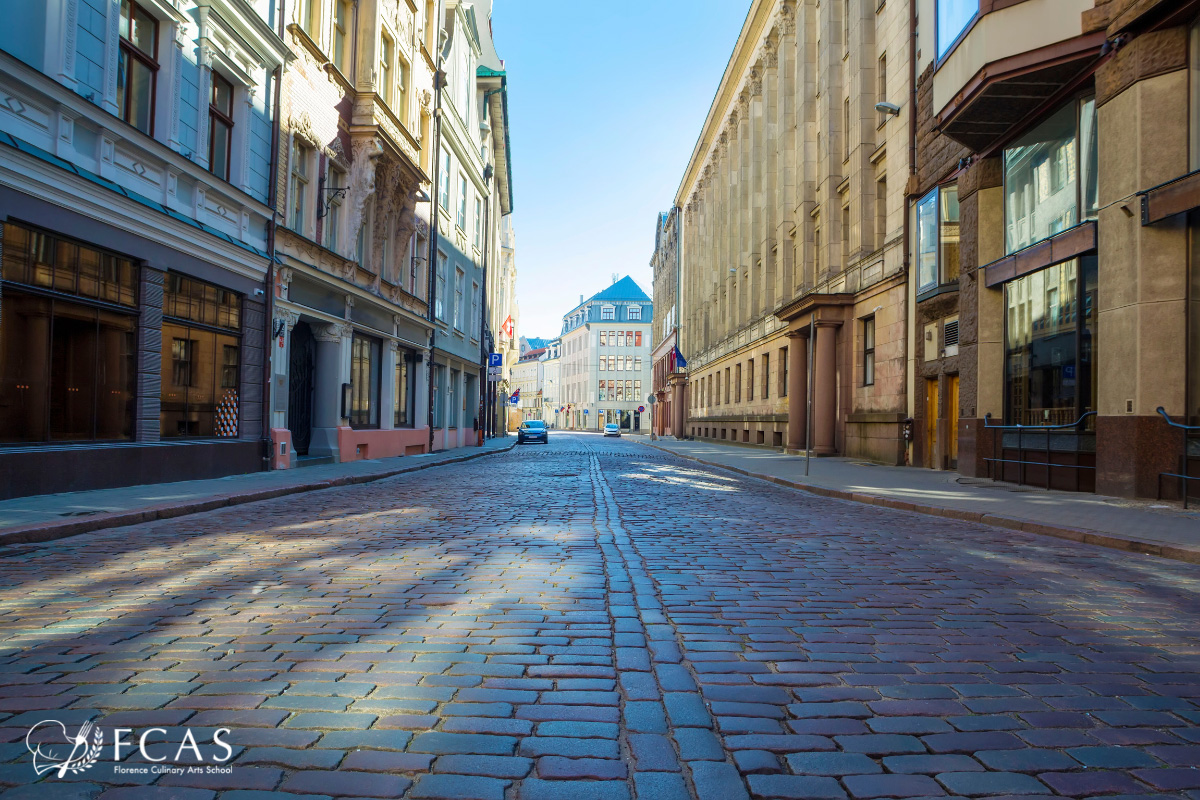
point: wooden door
(952, 420)
(931, 423)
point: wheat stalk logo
(85, 748)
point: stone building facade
(136, 144)
(794, 230)
(668, 374)
(605, 359)
(1068, 131)
(350, 351)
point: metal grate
(950, 333)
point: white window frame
(635, 312)
(608, 313)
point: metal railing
(1189, 432)
(1075, 428)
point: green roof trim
(488, 72)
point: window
(401, 101)
(637, 339)
(620, 364)
(629, 363)
(881, 88)
(937, 238)
(306, 16)
(845, 236)
(342, 36)
(620, 338)
(766, 376)
(635, 312)
(608, 312)
(137, 66)
(868, 341)
(444, 180)
(220, 126)
(385, 86)
(750, 379)
(727, 382)
(439, 396)
(333, 217)
(846, 129)
(458, 299)
(478, 223)
(363, 245)
(402, 399)
(462, 202)
(602, 363)
(439, 303)
(637, 365)
(953, 17)
(474, 321)
(1050, 176)
(737, 386)
(612, 363)
(298, 185)
(454, 419)
(881, 212)
(365, 362)
(603, 338)
(67, 363)
(201, 359)
(1050, 360)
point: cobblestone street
(596, 620)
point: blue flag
(680, 363)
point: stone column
(147, 425)
(797, 389)
(331, 371)
(825, 388)
(678, 407)
(387, 385)
(253, 355)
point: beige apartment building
(794, 231)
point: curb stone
(49, 531)
(1189, 555)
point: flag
(680, 363)
(507, 327)
(515, 397)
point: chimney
(580, 299)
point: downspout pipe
(907, 239)
(269, 282)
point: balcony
(1010, 63)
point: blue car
(533, 430)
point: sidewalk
(1158, 528)
(52, 516)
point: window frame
(461, 217)
(374, 374)
(868, 350)
(149, 60)
(934, 200)
(944, 51)
(218, 117)
(387, 55)
(343, 36)
(298, 182)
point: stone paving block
(600, 769)
(719, 781)
(653, 753)
(536, 746)
(645, 717)
(880, 744)
(832, 764)
(1032, 760)
(579, 730)
(971, 742)
(660, 786)
(787, 787)
(292, 758)
(344, 783)
(869, 786)
(932, 764)
(157, 793)
(488, 766)
(698, 744)
(537, 789)
(240, 778)
(469, 743)
(974, 784)
(386, 761)
(1110, 758)
(686, 709)
(1170, 779)
(321, 720)
(458, 787)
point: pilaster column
(329, 375)
(797, 389)
(825, 388)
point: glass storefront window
(365, 364)
(67, 370)
(1050, 176)
(201, 359)
(1050, 344)
(402, 392)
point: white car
(612, 429)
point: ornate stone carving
(335, 332)
(786, 21)
(301, 125)
(288, 318)
(753, 84)
(770, 52)
(366, 152)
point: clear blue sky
(606, 99)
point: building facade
(351, 330)
(1060, 292)
(528, 379)
(552, 410)
(793, 235)
(504, 320)
(136, 151)
(605, 359)
(668, 375)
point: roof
(536, 343)
(532, 355)
(624, 289)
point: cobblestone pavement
(592, 620)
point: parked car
(532, 430)
(612, 429)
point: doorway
(931, 422)
(301, 365)
(952, 421)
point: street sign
(641, 409)
(495, 373)
(651, 399)
(495, 360)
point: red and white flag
(507, 327)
